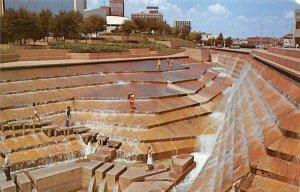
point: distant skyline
(235, 18)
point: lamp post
(261, 33)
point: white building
(114, 22)
(206, 36)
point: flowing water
(206, 142)
(102, 185)
(91, 184)
(116, 187)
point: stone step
(101, 171)
(23, 182)
(279, 81)
(278, 169)
(45, 155)
(264, 184)
(144, 121)
(111, 152)
(289, 65)
(112, 176)
(286, 52)
(285, 115)
(150, 186)
(7, 186)
(282, 149)
(138, 174)
(73, 176)
(98, 157)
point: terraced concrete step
(263, 184)
(287, 64)
(181, 89)
(278, 169)
(286, 148)
(286, 52)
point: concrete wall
(42, 54)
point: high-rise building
(54, 5)
(297, 27)
(106, 9)
(151, 13)
(183, 24)
(1, 7)
(117, 7)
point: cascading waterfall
(102, 185)
(116, 187)
(91, 184)
(206, 142)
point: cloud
(297, 1)
(289, 14)
(218, 9)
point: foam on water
(205, 147)
(121, 83)
(102, 185)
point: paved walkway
(48, 63)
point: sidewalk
(51, 63)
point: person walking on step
(6, 167)
(158, 64)
(35, 113)
(131, 102)
(68, 115)
(150, 159)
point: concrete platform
(137, 174)
(7, 186)
(149, 186)
(112, 176)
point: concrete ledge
(134, 174)
(149, 186)
(112, 176)
(7, 186)
(71, 176)
(182, 162)
(101, 171)
(23, 183)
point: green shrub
(107, 47)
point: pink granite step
(137, 174)
(149, 186)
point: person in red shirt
(131, 101)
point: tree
(45, 17)
(184, 31)
(154, 25)
(196, 37)
(36, 28)
(220, 39)
(141, 24)
(93, 24)
(128, 27)
(66, 24)
(20, 25)
(228, 41)
(8, 22)
(166, 28)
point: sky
(235, 18)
